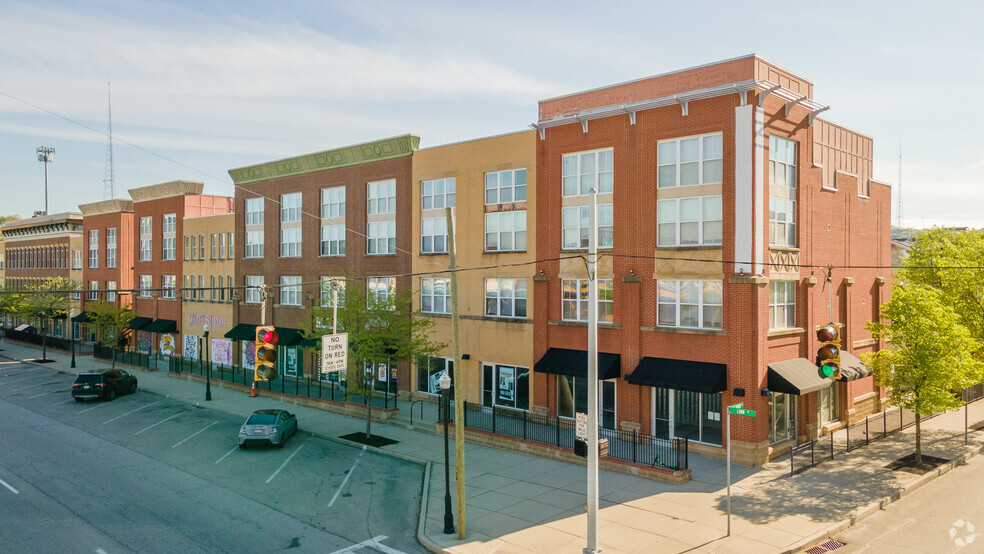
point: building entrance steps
(517, 502)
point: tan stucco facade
(202, 266)
(488, 342)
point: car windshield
(262, 419)
(89, 378)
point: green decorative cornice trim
(385, 149)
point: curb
(865, 511)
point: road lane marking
(34, 385)
(130, 412)
(12, 489)
(49, 392)
(158, 423)
(285, 463)
(63, 401)
(94, 407)
(226, 454)
(193, 434)
(25, 379)
(890, 531)
(371, 543)
(100, 551)
(349, 474)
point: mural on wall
(167, 345)
(143, 342)
(249, 354)
(221, 352)
(191, 347)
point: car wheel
(133, 388)
(281, 443)
(111, 395)
(242, 445)
(78, 400)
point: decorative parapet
(784, 263)
(106, 207)
(385, 149)
(165, 190)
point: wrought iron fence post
(634, 443)
(813, 447)
(557, 425)
(832, 444)
(493, 419)
(686, 451)
(792, 451)
(677, 453)
(848, 438)
(867, 435)
(524, 424)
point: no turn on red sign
(334, 353)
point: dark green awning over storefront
(243, 331)
(81, 318)
(162, 326)
(685, 375)
(564, 361)
(286, 336)
(138, 323)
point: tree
(6, 218)
(44, 301)
(382, 328)
(953, 263)
(111, 322)
(10, 302)
(931, 354)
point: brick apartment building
(159, 212)
(44, 247)
(207, 293)
(344, 213)
(107, 264)
(721, 198)
(491, 183)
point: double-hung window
(381, 226)
(290, 226)
(690, 161)
(187, 248)
(689, 221)
(146, 238)
(505, 298)
(290, 207)
(576, 229)
(169, 242)
(328, 286)
(93, 248)
(290, 242)
(435, 295)
(782, 162)
(782, 221)
(586, 170)
(437, 194)
(254, 244)
(575, 300)
(201, 247)
(93, 290)
(381, 288)
(215, 247)
(111, 291)
(222, 245)
(782, 304)
(505, 231)
(504, 187)
(433, 235)
(254, 292)
(167, 286)
(146, 282)
(333, 221)
(333, 240)
(381, 197)
(782, 192)
(254, 211)
(382, 237)
(691, 304)
(254, 234)
(290, 291)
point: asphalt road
(945, 515)
(150, 474)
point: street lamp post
(445, 383)
(71, 334)
(208, 368)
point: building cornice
(106, 207)
(394, 147)
(166, 190)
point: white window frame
(381, 287)
(574, 299)
(111, 248)
(668, 161)
(376, 237)
(669, 217)
(222, 245)
(673, 303)
(169, 223)
(782, 304)
(254, 211)
(290, 290)
(146, 238)
(76, 259)
(495, 232)
(327, 293)
(93, 290)
(381, 197)
(510, 301)
(437, 194)
(213, 243)
(146, 283)
(168, 247)
(333, 240)
(435, 292)
(290, 242)
(253, 294)
(254, 244)
(575, 231)
(333, 203)
(111, 291)
(434, 235)
(93, 248)
(167, 286)
(782, 230)
(500, 184)
(782, 162)
(290, 207)
(581, 171)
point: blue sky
(219, 85)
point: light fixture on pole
(445, 382)
(208, 367)
(45, 155)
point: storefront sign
(221, 351)
(506, 382)
(205, 319)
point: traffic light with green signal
(828, 355)
(266, 354)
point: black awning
(564, 361)
(680, 375)
(138, 323)
(162, 326)
(287, 336)
(81, 318)
(243, 331)
(797, 376)
(852, 368)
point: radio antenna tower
(898, 218)
(109, 182)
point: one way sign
(334, 353)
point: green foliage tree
(382, 328)
(932, 354)
(111, 322)
(10, 302)
(44, 301)
(6, 218)
(953, 263)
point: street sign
(334, 353)
(581, 431)
(738, 410)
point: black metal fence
(136, 359)
(57, 343)
(630, 446)
(862, 433)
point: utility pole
(592, 547)
(459, 385)
(45, 155)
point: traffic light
(828, 356)
(266, 354)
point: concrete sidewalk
(520, 503)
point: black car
(105, 384)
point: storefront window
(572, 397)
(684, 414)
(290, 361)
(828, 405)
(504, 385)
(429, 372)
(779, 417)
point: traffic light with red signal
(828, 355)
(266, 353)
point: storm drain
(825, 547)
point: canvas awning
(797, 376)
(162, 326)
(683, 375)
(243, 331)
(564, 361)
(287, 336)
(138, 323)
(852, 368)
(81, 318)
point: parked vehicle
(268, 427)
(104, 384)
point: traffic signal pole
(263, 303)
(592, 492)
